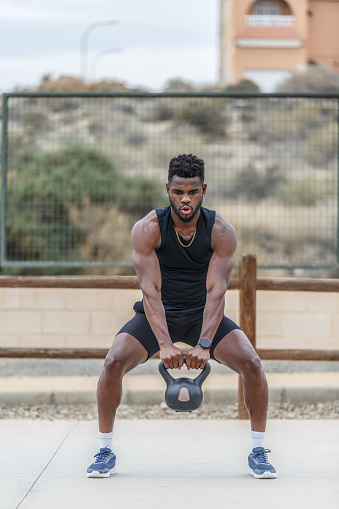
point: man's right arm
(145, 238)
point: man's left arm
(224, 242)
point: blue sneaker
(259, 466)
(104, 464)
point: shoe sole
(264, 475)
(97, 474)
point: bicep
(144, 258)
(147, 269)
(222, 261)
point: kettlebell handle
(203, 375)
(198, 380)
(164, 373)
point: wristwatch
(205, 343)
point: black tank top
(184, 269)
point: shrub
(295, 119)
(257, 183)
(321, 146)
(44, 186)
(37, 121)
(163, 113)
(247, 116)
(205, 115)
(75, 84)
(243, 86)
(175, 85)
(308, 192)
(315, 79)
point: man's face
(185, 196)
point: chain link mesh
(81, 170)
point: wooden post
(247, 312)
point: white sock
(258, 438)
(106, 440)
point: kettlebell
(184, 394)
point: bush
(307, 192)
(247, 116)
(243, 86)
(74, 84)
(43, 188)
(175, 85)
(205, 115)
(37, 121)
(294, 119)
(63, 175)
(314, 79)
(321, 146)
(163, 113)
(256, 184)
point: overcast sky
(159, 40)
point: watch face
(205, 343)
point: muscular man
(183, 255)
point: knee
(114, 365)
(252, 369)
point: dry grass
(72, 84)
(108, 232)
(283, 233)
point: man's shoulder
(209, 214)
(148, 221)
(147, 228)
(222, 229)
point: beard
(191, 216)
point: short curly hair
(186, 166)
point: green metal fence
(78, 170)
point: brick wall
(298, 320)
(63, 318)
(90, 318)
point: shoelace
(102, 455)
(261, 456)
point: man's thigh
(235, 350)
(126, 352)
(139, 328)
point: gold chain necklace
(181, 244)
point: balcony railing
(270, 21)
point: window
(267, 8)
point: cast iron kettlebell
(184, 394)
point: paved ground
(166, 464)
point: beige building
(267, 40)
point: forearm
(213, 312)
(155, 314)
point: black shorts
(184, 326)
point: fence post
(3, 200)
(338, 188)
(247, 312)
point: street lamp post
(96, 58)
(84, 43)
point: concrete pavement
(165, 464)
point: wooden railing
(247, 284)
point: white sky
(159, 40)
